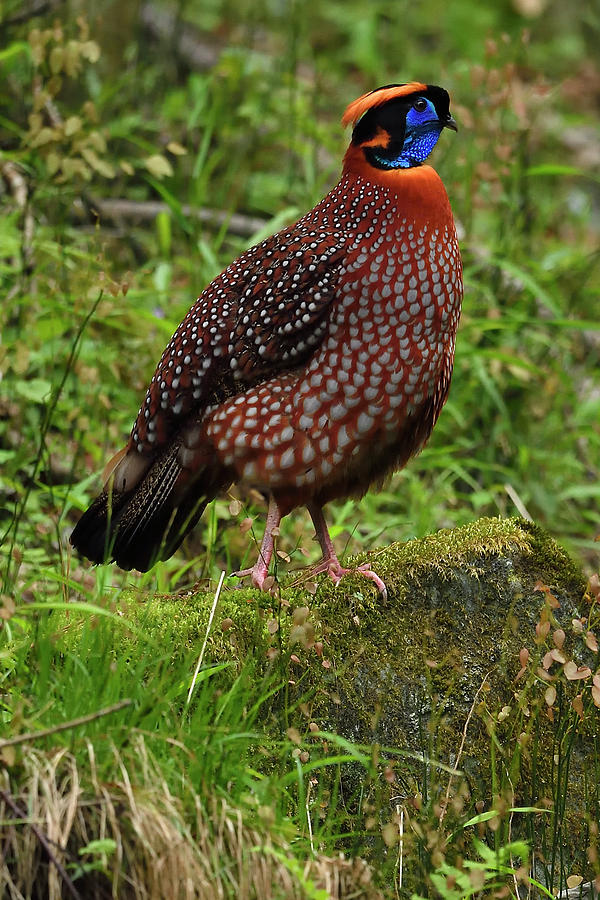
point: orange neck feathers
(420, 187)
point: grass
(137, 762)
(88, 306)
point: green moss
(409, 671)
(447, 569)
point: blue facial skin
(423, 129)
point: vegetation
(230, 123)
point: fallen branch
(14, 178)
(196, 53)
(64, 726)
(146, 210)
(39, 8)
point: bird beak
(450, 123)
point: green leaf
(37, 390)
(102, 845)
(162, 276)
(557, 169)
(163, 229)
(14, 50)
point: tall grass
(89, 304)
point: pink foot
(258, 573)
(336, 572)
(260, 570)
(330, 562)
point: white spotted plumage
(315, 363)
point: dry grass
(209, 850)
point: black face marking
(391, 116)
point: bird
(313, 366)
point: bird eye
(420, 104)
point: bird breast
(387, 352)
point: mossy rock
(438, 670)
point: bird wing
(265, 313)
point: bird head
(398, 125)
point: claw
(336, 572)
(330, 563)
(258, 573)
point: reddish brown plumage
(316, 363)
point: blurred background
(143, 145)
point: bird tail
(146, 508)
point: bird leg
(260, 569)
(330, 562)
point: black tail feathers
(137, 528)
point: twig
(38, 8)
(20, 814)
(186, 40)
(462, 745)
(117, 208)
(523, 511)
(14, 177)
(400, 858)
(308, 819)
(201, 657)
(64, 726)
(50, 410)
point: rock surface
(473, 680)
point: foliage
(98, 107)
(115, 707)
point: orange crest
(359, 107)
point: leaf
(158, 165)
(15, 49)
(162, 276)
(559, 637)
(591, 641)
(72, 125)
(557, 169)
(56, 60)
(44, 136)
(294, 735)
(176, 149)
(99, 165)
(97, 140)
(90, 51)
(573, 673)
(73, 167)
(163, 228)
(102, 845)
(52, 163)
(550, 695)
(36, 390)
